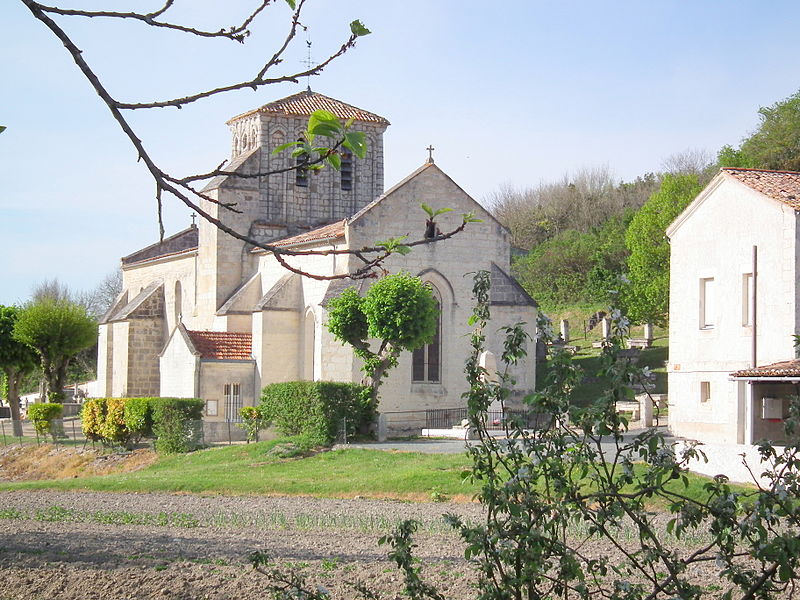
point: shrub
(93, 415)
(113, 427)
(138, 417)
(253, 421)
(177, 424)
(44, 416)
(317, 409)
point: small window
(233, 402)
(301, 171)
(426, 361)
(747, 300)
(705, 391)
(347, 170)
(708, 308)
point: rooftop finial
(430, 150)
(308, 62)
(193, 216)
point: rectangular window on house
(747, 300)
(705, 391)
(233, 402)
(708, 306)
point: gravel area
(83, 545)
(91, 545)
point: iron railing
(445, 418)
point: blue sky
(508, 93)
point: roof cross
(193, 216)
(308, 62)
(430, 150)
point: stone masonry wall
(447, 265)
(146, 339)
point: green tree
(646, 299)
(729, 156)
(776, 142)
(575, 267)
(16, 359)
(399, 311)
(57, 329)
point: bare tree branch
(180, 187)
(236, 33)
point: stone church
(205, 315)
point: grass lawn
(247, 469)
(587, 357)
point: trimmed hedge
(139, 417)
(44, 416)
(316, 409)
(177, 424)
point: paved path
(441, 446)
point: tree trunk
(53, 382)
(13, 377)
(61, 380)
(375, 379)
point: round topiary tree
(399, 311)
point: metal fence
(445, 418)
(63, 431)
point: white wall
(715, 241)
(179, 369)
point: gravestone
(606, 328)
(565, 330)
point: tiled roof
(175, 244)
(307, 102)
(783, 186)
(786, 368)
(326, 232)
(222, 345)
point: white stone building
(206, 315)
(734, 306)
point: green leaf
(324, 129)
(357, 142)
(2, 128)
(334, 160)
(291, 4)
(323, 122)
(471, 218)
(357, 28)
(434, 213)
(283, 147)
(402, 250)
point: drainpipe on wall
(754, 302)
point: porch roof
(786, 370)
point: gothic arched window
(426, 361)
(178, 308)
